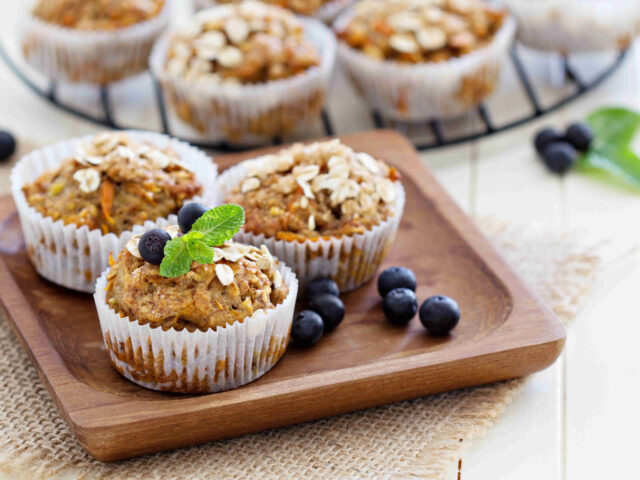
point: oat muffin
(81, 199)
(395, 52)
(112, 184)
(323, 10)
(247, 69)
(216, 327)
(92, 41)
(322, 208)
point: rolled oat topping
(246, 43)
(302, 7)
(241, 281)
(321, 189)
(113, 183)
(97, 14)
(418, 31)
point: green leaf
(177, 260)
(614, 129)
(220, 224)
(199, 251)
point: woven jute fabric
(421, 438)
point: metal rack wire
(440, 139)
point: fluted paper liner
(250, 114)
(326, 13)
(197, 362)
(408, 92)
(567, 26)
(350, 260)
(74, 257)
(96, 56)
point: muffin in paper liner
(199, 361)
(567, 26)
(350, 260)
(252, 113)
(326, 13)
(408, 92)
(74, 257)
(95, 57)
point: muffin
(217, 326)
(322, 208)
(83, 198)
(92, 41)
(567, 26)
(247, 72)
(323, 10)
(417, 59)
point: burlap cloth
(421, 438)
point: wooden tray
(505, 332)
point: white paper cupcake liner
(349, 260)
(567, 26)
(74, 257)
(417, 92)
(97, 57)
(197, 362)
(326, 13)
(250, 114)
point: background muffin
(81, 199)
(92, 41)
(416, 59)
(246, 72)
(323, 209)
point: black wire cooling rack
(440, 138)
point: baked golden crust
(247, 43)
(114, 184)
(318, 190)
(204, 298)
(97, 14)
(420, 31)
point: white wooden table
(576, 420)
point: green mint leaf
(199, 251)
(177, 260)
(614, 130)
(219, 224)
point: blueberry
(307, 328)
(396, 277)
(151, 245)
(580, 136)
(322, 285)
(400, 305)
(559, 157)
(439, 315)
(188, 215)
(330, 308)
(545, 137)
(7, 145)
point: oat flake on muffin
(112, 184)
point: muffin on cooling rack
(567, 26)
(82, 199)
(323, 209)
(417, 59)
(246, 72)
(323, 10)
(212, 322)
(92, 41)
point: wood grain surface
(505, 332)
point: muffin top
(302, 7)
(419, 31)
(240, 281)
(97, 14)
(317, 190)
(113, 183)
(246, 43)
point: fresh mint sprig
(213, 228)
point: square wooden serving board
(505, 332)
